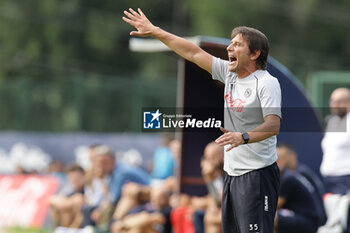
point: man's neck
(247, 71)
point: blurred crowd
(113, 196)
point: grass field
(24, 230)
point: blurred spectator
(96, 189)
(182, 215)
(147, 209)
(55, 167)
(289, 157)
(163, 160)
(115, 175)
(160, 203)
(337, 207)
(98, 208)
(212, 218)
(175, 147)
(212, 169)
(66, 206)
(300, 208)
(90, 164)
(151, 217)
(132, 157)
(134, 196)
(335, 167)
(207, 215)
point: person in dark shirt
(66, 205)
(153, 216)
(319, 188)
(300, 207)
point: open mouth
(232, 59)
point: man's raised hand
(181, 46)
(140, 22)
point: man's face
(282, 160)
(339, 103)
(77, 180)
(239, 54)
(92, 156)
(211, 160)
(104, 165)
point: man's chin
(232, 69)
(339, 112)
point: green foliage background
(65, 64)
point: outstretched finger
(133, 12)
(230, 148)
(223, 143)
(131, 16)
(128, 21)
(140, 12)
(221, 138)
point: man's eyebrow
(235, 42)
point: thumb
(224, 130)
(138, 33)
(134, 33)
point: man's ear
(254, 55)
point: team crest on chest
(247, 92)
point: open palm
(140, 22)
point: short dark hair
(73, 167)
(256, 41)
(288, 146)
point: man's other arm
(182, 47)
(268, 128)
